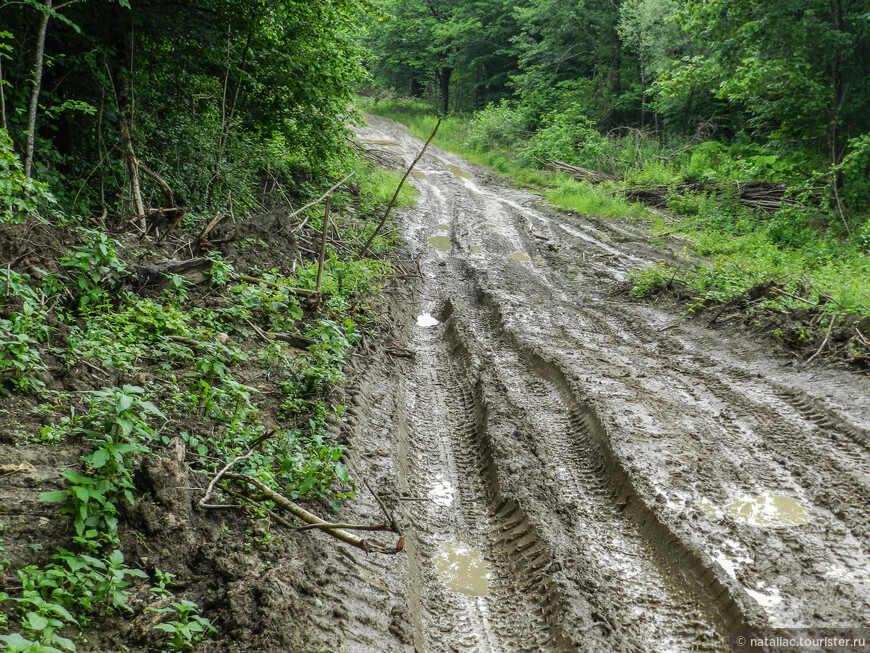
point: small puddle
(374, 581)
(476, 249)
(443, 227)
(519, 256)
(441, 243)
(462, 569)
(416, 174)
(377, 142)
(459, 172)
(426, 320)
(768, 510)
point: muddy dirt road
(576, 472)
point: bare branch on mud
(352, 527)
(203, 503)
(299, 512)
(207, 230)
(390, 517)
(396, 194)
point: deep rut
(478, 564)
(581, 474)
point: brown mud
(572, 471)
(577, 472)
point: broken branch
(309, 518)
(396, 194)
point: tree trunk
(444, 75)
(837, 91)
(129, 152)
(2, 98)
(37, 87)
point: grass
(730, 249)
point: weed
(188, 628)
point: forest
(194, 247)
(748, 122)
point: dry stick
(310, 518)
(396, 195)
(393, 526)
(203, 503)
(353, 527)
(323, 236)
(825, 341)
(310, 204)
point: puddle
(519, 256)
(727, 564)
(476, 249)
(709, 509)
(443, 227)
(443, 492)
(426, 320)
(441, 243)
(768, 510)
(377, 142)
(374, 581)
(491, 225)
(459, 172)
(462, 569)
(416, 174)
(765, 600)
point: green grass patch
(730, 249)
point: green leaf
(99, 458)
(37, 621)
(55, 496)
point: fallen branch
(310, 204)
(396, 194)
(299, 512)
(352, 527)
(203, 503)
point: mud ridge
(725, 603)
(516, 548)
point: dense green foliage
(787, 80)
(216, 94)
(661, 92)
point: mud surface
(576, 472)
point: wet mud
(576, 472)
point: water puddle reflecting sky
(462, 569)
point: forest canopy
(792, 76)
(212, 93)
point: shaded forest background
(785, 85)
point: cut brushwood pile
(761, 196)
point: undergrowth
(823, 257)
(199, 356)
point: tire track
(450, 454)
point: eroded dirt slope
(573, 471)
